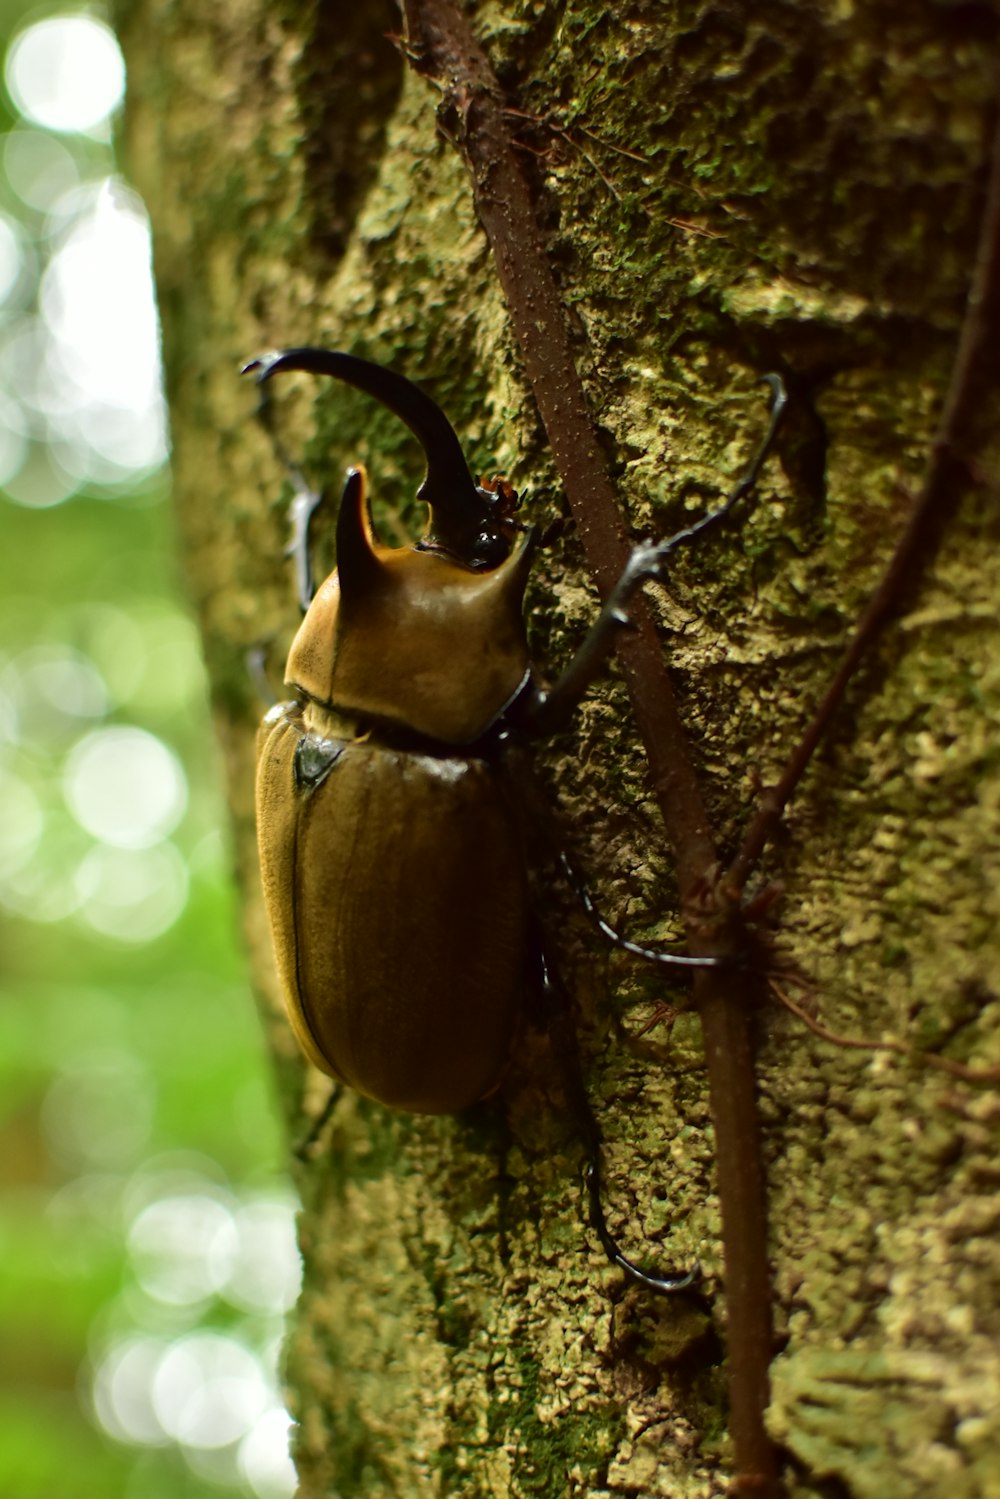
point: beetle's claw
(779, 392)
(665, 1285)
(262, 365)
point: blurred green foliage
(124, 1063)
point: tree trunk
(721, 192)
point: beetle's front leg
(548, 711)
(305, 502)
(304, 506)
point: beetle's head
(472, 523)
(428, 637)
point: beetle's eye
(491, 549)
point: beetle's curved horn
(463, 516)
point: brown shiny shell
(397, 898)
(411, 637)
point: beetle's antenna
(464, 517)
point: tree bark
(719, 192)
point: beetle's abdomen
(396, 892)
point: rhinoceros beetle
(392, 854)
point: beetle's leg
(256, 662)
(544, 839)
(563, 1037)
(304, 506)
(639, 949)
(305, 502)
(743, 486)
(549, 711)
(304, 1147)
(666, 1285)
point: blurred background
(147, 1251)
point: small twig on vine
(549, 122)
(663, 1014)
(946, 475)
(900, 1048)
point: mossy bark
(723, 191)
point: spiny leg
(305, 502)
(743, 486)
(549, 711)
(639, 949)
(563, 1037)
(304, 1146)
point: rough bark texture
(723, 191)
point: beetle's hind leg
(559, 1024)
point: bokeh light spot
(125, 786)
(265, 1461)
(132, 895)
(21, 823)
(183, 1247)
(11, 256)
(39, 481)
(44, 887)
(66, 72)
(98, 1112)
(98, 304)
(265, 1273)
(209, 1390)
(56, 686)
(123, 1391)
(39, 167)
(13, 446)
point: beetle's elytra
(392, 854)
(378, 995)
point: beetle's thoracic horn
(358, 568)
(462, 514)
